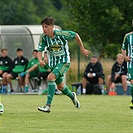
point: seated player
(33, 73)
(93, 75)
(42, 72)
(118, 74)
(19, 65)
(5, 66)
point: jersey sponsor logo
(1, 63)
(55, 47)
(56, 50)
(6, 62)
(22, 60)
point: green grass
(98, 114)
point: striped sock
(131, 89)
(51, 91)
(67, 92)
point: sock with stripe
(131, 89)
(67, 92)
(50, 93)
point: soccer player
(127, 51)
(5, 65)
(118, 74)
(33, 73)
(56, 43)
(19, 65)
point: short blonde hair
(119, 55)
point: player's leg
(66, 91)
(4, 77)
(50, 94)
(27, 76)
(8, 79)
(108, 83)
(130, 77)
(84, 84)
(124, 82)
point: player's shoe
(44, 109)
(75, 101)
(131, 105)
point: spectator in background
(5, 66)
(93, 75)
(31, 74)
(42, 72)
(19, 65)
(118, 74)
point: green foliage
(112, 50)
(18, 12)
(100, 22)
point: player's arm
(124, 48)
(127, 58)
(41, 47)
(80, 43)
(42, 62)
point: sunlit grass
(98, 114)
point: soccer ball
(1, 109)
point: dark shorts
(44, 75)
(93, 80)
(1, 75)
(118, 80)
(14, 75)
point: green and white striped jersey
(57, 47)
(128, 45)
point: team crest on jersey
(55, 47)
(16, 62)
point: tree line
(101, 24)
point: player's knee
(100, 80)
(109, 77)
(124, 77)
(60, 86)
(51, 77)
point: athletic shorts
(118, 80)
(130, 73)
(14, 75)
(59, 71)
(94, 80)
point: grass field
(98, 114)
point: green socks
(67, 92)
(50, 93)
(132, 91)
(26, 88)
(44, 91)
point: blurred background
(101, 25)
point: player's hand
(117, 75)
(42, 63)
(128, 58)
(85, 52)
